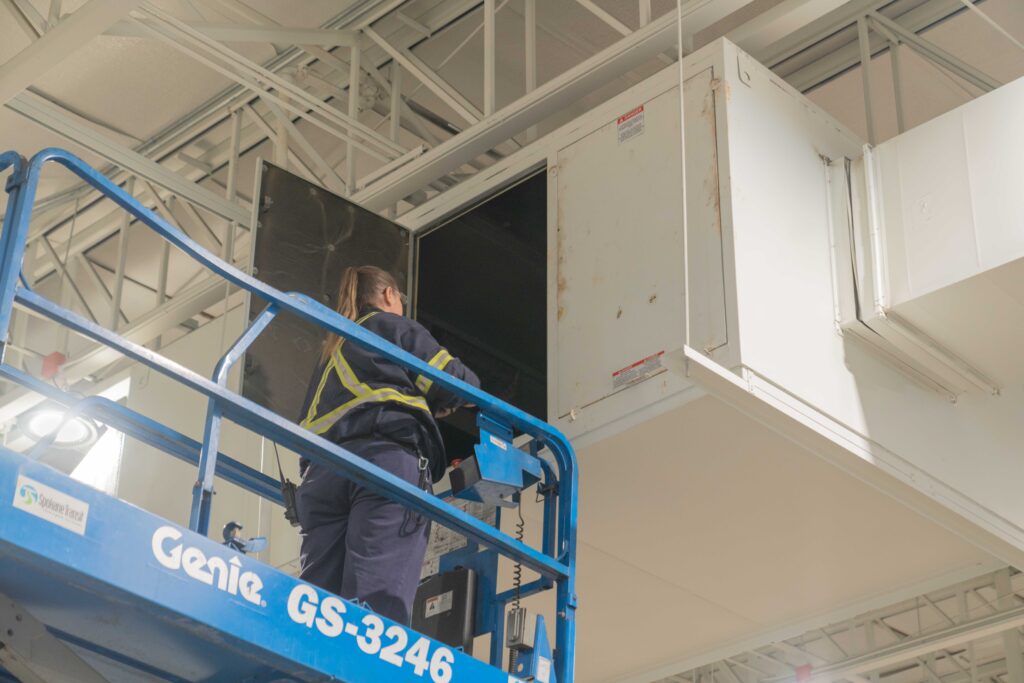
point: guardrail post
(12, 242)
(202, 494)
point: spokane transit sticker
(51, 505)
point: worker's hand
(443, 413)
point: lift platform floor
(100, 590)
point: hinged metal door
(304, 239)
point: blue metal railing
(555, 563)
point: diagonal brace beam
(418, 68)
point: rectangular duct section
(928, 246)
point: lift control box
(495, 471)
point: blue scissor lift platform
(95, 589)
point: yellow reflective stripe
(311, 413)
(348, 376)
(348, 380)
(439, 361)
(376, 396)
(361, 392)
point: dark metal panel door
(304, 239)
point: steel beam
(918, 646)
(53, 17)
(262, 82)
(165, 144)
(161, 206)
(90, 20)
(418, 68)
(760, 32)
(292, 135)
(66, 277)
(280, 146)
(355, 75)
(530, 48)
(865, 74)
(122, 262)
(30, 30)
(59, 121)
(238, 33)
(490, 48)
(1011, 637)
(897, 77)
(143, 330)
(628, 53)
(374, 176)
(395, 113)
(417, 26)
(89, 267)
(231, 190)
(931, 51)
(605, 16)
(29, 11)
(806, 59)
(171, 139)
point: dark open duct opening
(482, 292)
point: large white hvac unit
(628, 285)
(866, 302)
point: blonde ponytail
(360, 286)
(348, 302)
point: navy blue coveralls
(356, 543)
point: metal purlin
(558, 566)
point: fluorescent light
(76, 432)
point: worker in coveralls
(355, 542)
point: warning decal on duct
(631, 124)
(638, 371)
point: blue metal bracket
(202, 497)
(536, 663)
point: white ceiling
(733, 533)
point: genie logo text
(225, 575)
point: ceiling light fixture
(76, 433)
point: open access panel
(477, 281)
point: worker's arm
(418, 341)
